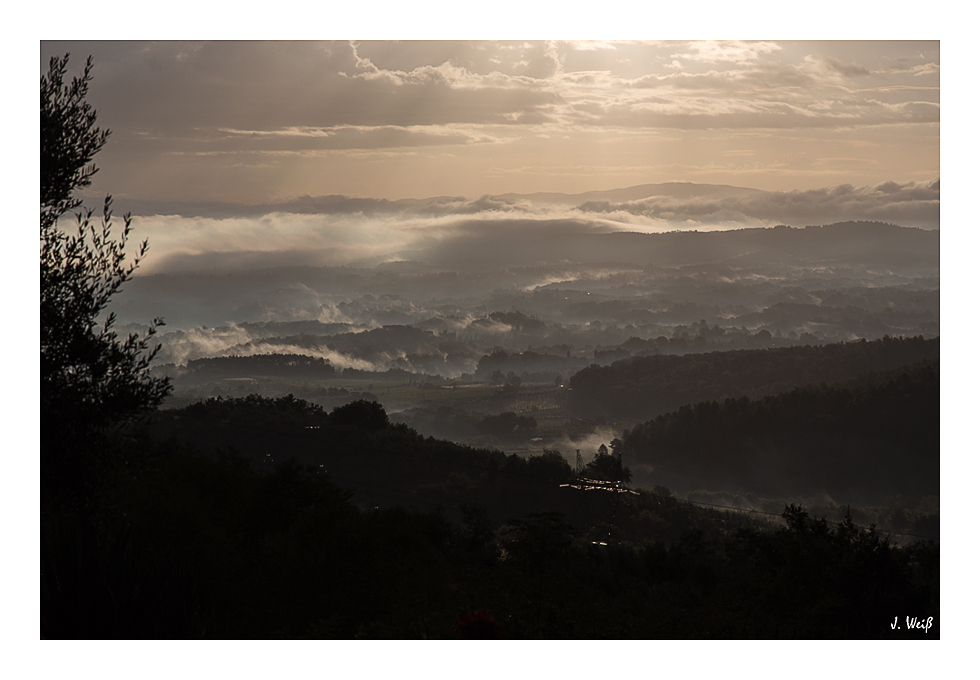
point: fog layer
(496, 231)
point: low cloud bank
(179, 347)
(502, 231)
(914, 204)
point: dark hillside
(383, 463)
(645, 387)
(859, 441)
(208, 547)
(195, 542)
(861, 245)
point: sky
(268, 122)
(243, 154)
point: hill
(860, 441)
(645, 387)
(633, 193)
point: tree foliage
(607, 468)
(69, 140)
(91, 380)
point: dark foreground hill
(272, 518)
(184, 543)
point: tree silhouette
(607, 468)
(91, 380)
(362, 414)
(69, 140)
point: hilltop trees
(607, 467)
(91, 380)
(645, 387)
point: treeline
(529, 365)
(279, 365)
(858, 441)
(448, 422)
(645, 387)
(903, 518)
(285, 366)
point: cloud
(334, 230)
(910, 204)
(591, 45)
(179, 347)
(926, 69)
(812, 93)
(355, 93)
(335, 205)
(849, 70)
(170, 88)
(270, 121)
(197, 243)
(737, 51)
(495, 239)
(495, 232)
(308, 139)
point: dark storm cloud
(912, 204)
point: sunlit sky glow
(246, 122)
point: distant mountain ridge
(874, 245)
(679, 205)
(341, 204)
(634, 193)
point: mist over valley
(553, 295)
(504, 318)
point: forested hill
(862, 245)
(382, 462)
(859, 441)
(645, 387)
